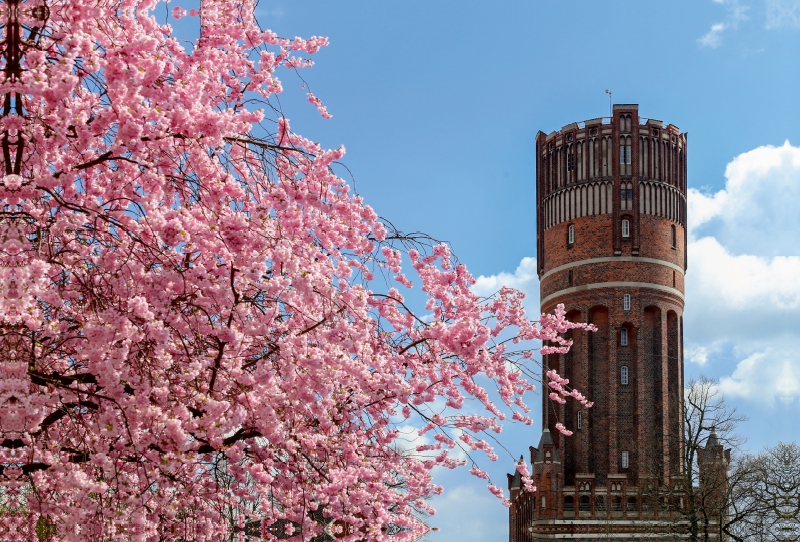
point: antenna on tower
(610, 109)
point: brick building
(611, 246)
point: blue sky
(438, 104)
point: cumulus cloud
(696, 354)
(736, 14)
(754, 213)
(783, 14)
(770, 374)
(743, 283)
(524, 278)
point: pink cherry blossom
(193, 340)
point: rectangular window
(626, 228)
(626, 302)
(570, 162)
(580, 419)
(623, 336)
(623, 376)
(624, 459)
(624, 154)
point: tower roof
(713, 440)
(546, 440)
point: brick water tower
(611, 246)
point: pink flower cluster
(192, 338)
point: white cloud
(524, 278)
(767, 375)
(743, 282)
(783, 14)
(713, 38)
(736, 14)
(753, 214)
(696, 354)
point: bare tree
(696, 493)
(765, 505)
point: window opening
(623, 375)
(626, 302)
(672, 237)
(569, 277)
(626, 228)
(625, 460)
(625, 154)
(623, 336)
(580, 419)
(570, 162)
(571, 234)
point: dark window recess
(625, 154)
(570, 162)
(569, 277)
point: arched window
(626, 228)
(623, 336)
(623, 375)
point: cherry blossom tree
(203, 330)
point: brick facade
(611, 223)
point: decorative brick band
(597, 285)
(611, 259)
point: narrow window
(625, 154)
(626, 228)
(580, 419)
(625, 461)
(623, 375)
(571, 234)
(569, 277)
(626, 302)
(543, 502)
(672, 237)
(623, 336)
(570, 162)
(673, 279)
